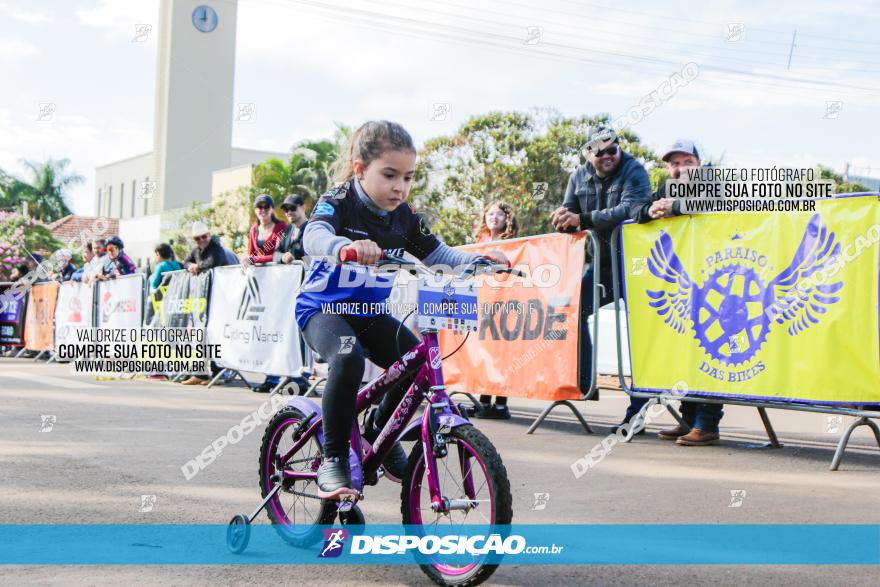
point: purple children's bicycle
(454, 475)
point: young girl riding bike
(339, 310)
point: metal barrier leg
(768, 426)
(281, 383)
(470, 396)
(675, 414)
(39, 354)
(313, 389)
(216, 377)
(21, 352)
(549, 408)
(243, 380)
(841, 446)
(52, 358)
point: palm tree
(305, 173)
(45, 192)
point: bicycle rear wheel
(296, 512)
(472, 470)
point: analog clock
(205, 18)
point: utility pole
(846, 174)
(791, 50)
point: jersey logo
(324, 209)
(338, 193)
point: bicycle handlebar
(347, 255)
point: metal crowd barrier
(863, 417)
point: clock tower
(194, 99)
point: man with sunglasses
(609, 188)
(208, 252)
(290, 248)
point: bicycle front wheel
(471, 470)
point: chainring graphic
(728, 314)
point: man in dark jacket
(208, 252)
(291, 248)
(603, 192)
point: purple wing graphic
(673, 306)
(799, 301)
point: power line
(483, 37)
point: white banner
(250, 315)
(121, 302)
(73, 310)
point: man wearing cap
(702, 418)
(208, 252)
(603, 192)
(682, 155)
(117, 262)
(290, 248)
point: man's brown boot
(697, 437)
(672, 433)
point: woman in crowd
(165, 262)
(263, 239)
(498, 223)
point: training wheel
(353, 516)
(238, 534)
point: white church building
(193, 159)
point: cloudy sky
(306, 64)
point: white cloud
(26, 16)
(14, 50)
(117, 18)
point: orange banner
(39, 330)
(527, 341)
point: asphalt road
(113, 441)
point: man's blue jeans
(702, 415)
(586, 358)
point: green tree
(21, 236)
(45, 191)
(305, 172)
(510, 156)
(843, 187)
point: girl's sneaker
(334, 478)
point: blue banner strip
(814, 544)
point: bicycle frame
(441, 416)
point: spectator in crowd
(263, 239)
(208, 252)
(88, 255)
(702, 418)
(96, 263)
(65, 269)
(290, 248)
(606, 190)
(682, 155)
(498, 222)
(18, 272)
(265, 234)
(165, 262)
(117, 263)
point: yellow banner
(758, 306)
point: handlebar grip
(348, 254)
(493, 262)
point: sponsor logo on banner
(109, 306)
(251, 305)
(733, 310)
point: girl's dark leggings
(341, 340)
